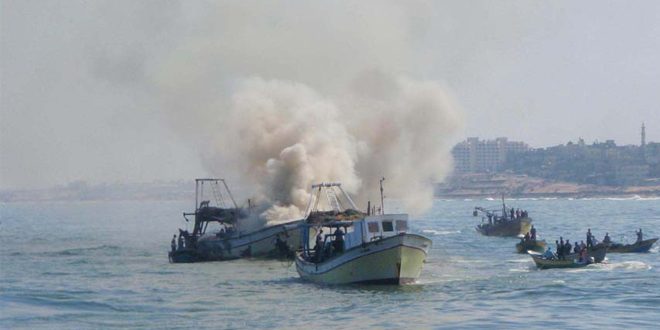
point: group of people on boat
(608, 241)
(177, 244)
(518, 213)
(514, 214)
(529, 236)
(565, 249)
(323, 251)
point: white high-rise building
(474, 155)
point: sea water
(87, 265)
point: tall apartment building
(474, 155)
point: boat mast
(503, 208)
(229, 192)
(382, 203)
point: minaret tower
(643, 135)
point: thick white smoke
(284, 136)
(287, 99)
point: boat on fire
(356, 247)
(231, 239)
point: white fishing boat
(354, 247)
(230, 239)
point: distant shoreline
(522, 186)
(548, 196)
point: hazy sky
(87, 88)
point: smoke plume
(286, 99)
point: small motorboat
(504, 222)
(637, 247)
(572, 261)
(534, 245)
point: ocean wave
(82, 251)
(440, 232)
(520, 270)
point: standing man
(590, 241)
(173, 243)
(318, 248)
(533, 232)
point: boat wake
(626, 265)
(606, 266)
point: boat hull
(639, 247)
(393, 260)
(556, 263)
(260, 244)
(598, 252)
(509, 228)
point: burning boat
(230, 240)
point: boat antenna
(382, 204)
(503, 207)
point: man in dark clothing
(568, 247)
(607, 239)
(590, 242)
(533, 233)
(339, 240)
(173, 244)
(180, 247)
(639, 235)
(318, 248)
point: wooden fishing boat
(359, 248)
(637, 247)
(502, 222)
(568, 262)
(506, 227)
(232, 241)
(533, 245)
(597, 252)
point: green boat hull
(638, 247)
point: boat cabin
(339, 236)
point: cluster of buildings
(602, 163)
(485, 156)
